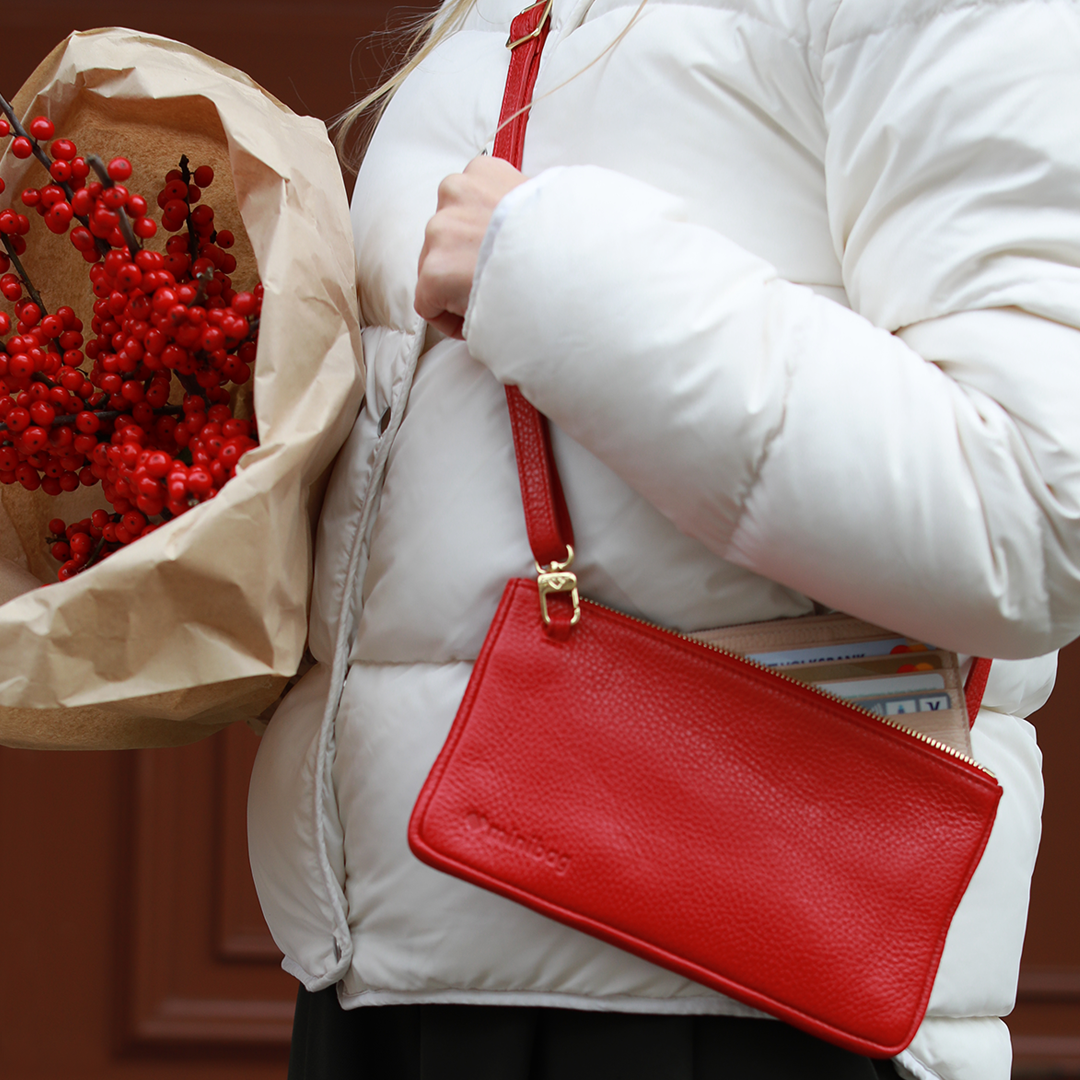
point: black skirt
(496, 1042)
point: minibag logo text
(531, 846)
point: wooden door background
(132, 943)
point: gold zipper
(936, 743)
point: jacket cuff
(517, 198)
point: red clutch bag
(749, 832)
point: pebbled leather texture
(753, 835)
(547, 519)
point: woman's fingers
(453, 237)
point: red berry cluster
(157, 317)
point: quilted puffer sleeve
(915, 461)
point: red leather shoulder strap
(975, 686)
(528, 33)
(546, 517)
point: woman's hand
(453, 237)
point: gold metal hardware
(511, 44)
(556, 578)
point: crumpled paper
(201, 623)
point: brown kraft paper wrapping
(201, 623)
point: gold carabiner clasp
(538, 30)
(556, 578)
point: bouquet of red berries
(102, 408)
(162, 416)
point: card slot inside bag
(917, 686)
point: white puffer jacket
(798, 281)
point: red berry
(203, 176)
(134, 522)
(158, 464)
(42, 413)
(244, 304)
(51, 194)
(128, 277)
(230, 454)
(22, 367)
(145, 228)
(82, 543)
(17, 419)
(82, 238)
(133, 391)
(35, 439)
(41, 127)
(82, 202)
(115, 197)
(164, 298)
(119, 170)
(199, 481)
(28, 476)
(59, 217)
(175, 189)
(105, 219)
(87, 422)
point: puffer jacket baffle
(798, 283)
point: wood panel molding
(1044, 1056)
(1049, 984)
(200, 970)
(206, 1023)
(241, 934)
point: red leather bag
(749, 832)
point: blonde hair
(431, 31)
(426, 37)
